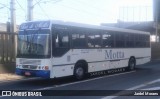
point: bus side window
(94, 40)
(60, 43)
(129, 38)
(91, 40)
(62, 40)
(120, 40)
(108, 40)
(147, 39)
(137, 40)
(98, 40)
(78, 40)
(56, 41)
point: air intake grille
(31, 62)
(29, 67)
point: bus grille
(29, 67)
(32, 62)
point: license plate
(27, 73)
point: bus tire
(79, 71)
(131, 64)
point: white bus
(52, 49)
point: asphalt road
(145, 77)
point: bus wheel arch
(131, 63)
(80, 69)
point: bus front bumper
(33, 73)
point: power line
(22, 9)
(20, 6)
(89, 5)
(43, 10)
(83, 11)
(54, 1)
(4, 6)
(37, 2)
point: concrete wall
(155, 50)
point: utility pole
(13, 28)
(156, 18)
(13, 16)
(30, 10)
(156, 24)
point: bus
(52, 49)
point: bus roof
(59, 22)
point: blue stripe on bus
(34, 73)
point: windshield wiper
(27, 41)
(34, 45)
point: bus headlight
(18, 66)
(46, 68)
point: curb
(155, 59)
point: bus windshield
(33, 44)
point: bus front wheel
(131, 64)
(79, 71)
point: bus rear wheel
(79, 71)
(131, 64)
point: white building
(3, 27)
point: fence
(8, 45)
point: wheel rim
(132, 64)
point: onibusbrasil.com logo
(17, 93)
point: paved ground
(145, 77)
(9, 77)
(12, 76)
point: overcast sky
(83, 11)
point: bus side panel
(62, 71)
(98, 59)
(142, 55)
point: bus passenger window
(97, 40)
(138, 40)
(91, 40)
(108, 40)
(62, 40)
(57, 41)
(129, 38)
(78, 40)
(94, 40)
(120, 40)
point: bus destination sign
(35, 25)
